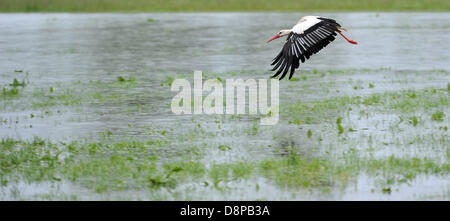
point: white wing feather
(305, 23)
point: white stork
(307, 37)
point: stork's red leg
(349, 40)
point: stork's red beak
(274, 37)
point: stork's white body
(305, 23)
(307, 37)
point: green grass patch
(16, 83)
(167, 81)
(98, 166)
(8, 93)
(414, 120)
(438, 116)
(297, 171)
(407, 101)
(129, 80)
(102, 167)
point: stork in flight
(307, 37)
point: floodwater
(402, 57)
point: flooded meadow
(85, 109)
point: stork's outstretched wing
(301, 44)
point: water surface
(81, 55)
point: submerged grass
(407, 101)
(297, 171)
(438, 116)
(98, 166)
(16, 83)
(130, 164)
(133, 165)
(220, 5)
(11, 92)
(17, 97)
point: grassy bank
(219, 5)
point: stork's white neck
(285, 32)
